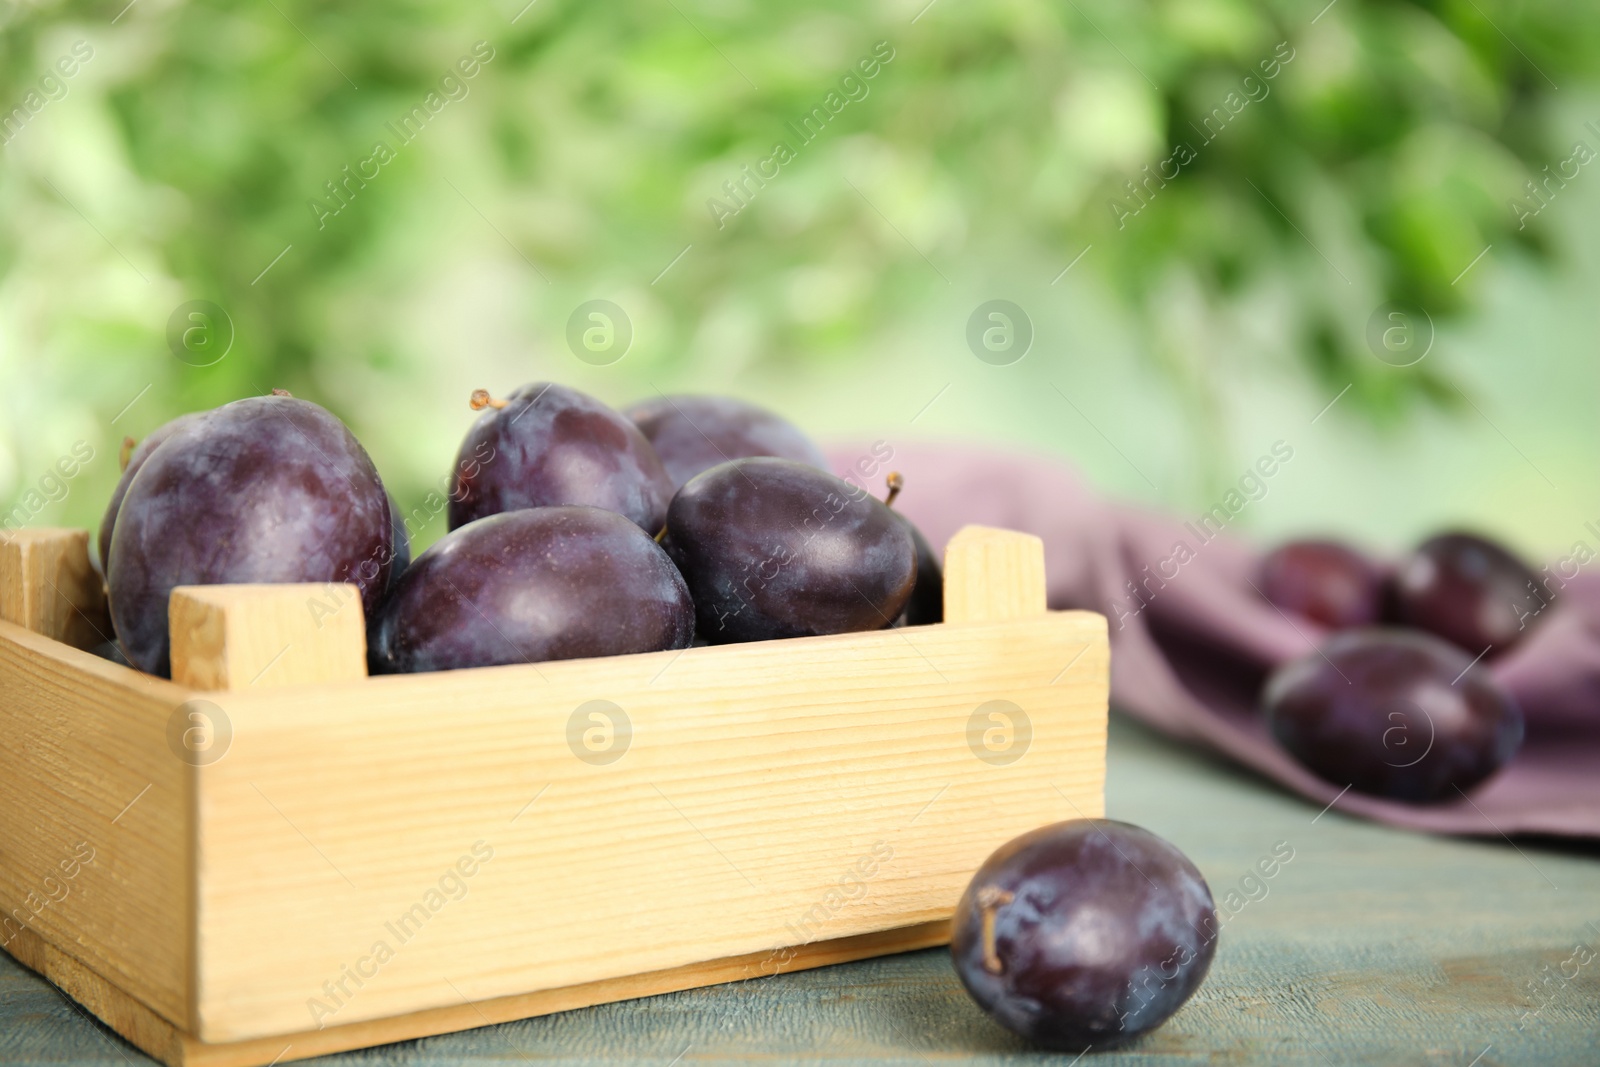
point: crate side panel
(93, 816)
(401, 844)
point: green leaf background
(984, 160)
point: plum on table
(1084, 934)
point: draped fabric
(1192, 639)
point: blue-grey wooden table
(1371, 946)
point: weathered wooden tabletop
(1371, 946)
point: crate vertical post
(993, 575)
(233, 637)
(48, 585)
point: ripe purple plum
(400, 537)
(533, 585)
(1468, 590)
(134, 456)
(774, 548)
(1394, 713)
(267, 489)
(546, 445)
(692, 434)
(926, 604)
(1327, 582)
(112, 651)
(1084, 934)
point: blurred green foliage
(186, 158)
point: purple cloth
(1189, 652)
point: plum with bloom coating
(401, 536)
(1087, 933)
(926, 605)
(546, 445)
(1394, 713)
(532, 585)
(136, 455)
(1327, 582)
(692, 434)
(1468, 590)
(268, 489)
(774, 548)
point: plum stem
(126, 455)
(991, 899)
(661, 534)
(282, 392)
(481, 399)
(895, 482)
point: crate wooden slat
(159, 1038)
(380, 859)
(47, 585)
(83, 763)
(266, 636)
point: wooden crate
(274, 856)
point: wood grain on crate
(85, 770)
(241, 636)
(1374, 946)
(392, 857)
(755, 779)
(172, 1046)
(47, 585)
(971, 592)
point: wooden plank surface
(155, 1036)
(741, 798)
(1372, 946)
(98, 869)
